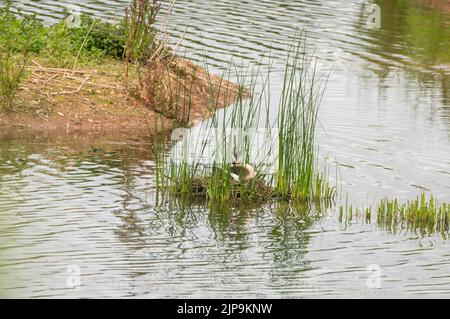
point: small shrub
(101, 38)
(139, 31)
(19, 39)
(59, 49)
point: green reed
(299, 105)
(296, 174)
(424, 215)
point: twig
(105, 85)
(82, 45)
(74, 91)
(56, 70)
(36, 63)
(50, 78)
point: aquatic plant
(424, 215)
(302, 92)
(296, 173)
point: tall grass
(299, 105)
(295, 173)
(424, 215)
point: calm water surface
(88, 201)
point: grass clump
(281, 150)
(255, 190)
(297, 175)
(424, 215)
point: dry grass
(181, 90)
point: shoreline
(95, 100)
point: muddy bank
(99, 100)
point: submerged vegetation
(422, 215)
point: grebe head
(239, 171)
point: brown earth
(100, 100)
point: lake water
(85, 204)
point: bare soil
(100, 100)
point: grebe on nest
(241, 172)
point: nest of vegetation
(254, 190)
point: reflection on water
(411, 33)
(89, 201)
(93, 206)
(415, 37)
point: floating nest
(254, 190)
